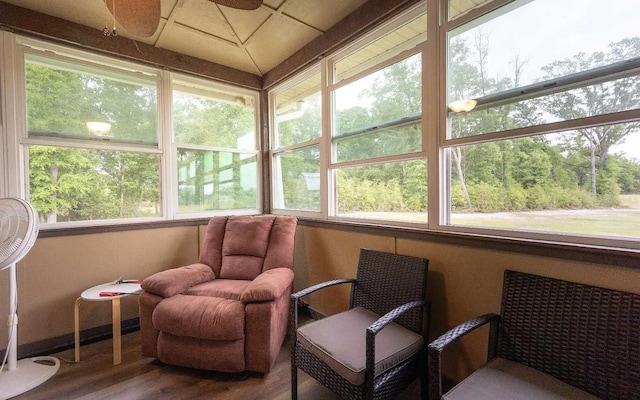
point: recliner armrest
(174, 281)
(268, 286)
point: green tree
(397, 94)
(600, 98)
(69, 184)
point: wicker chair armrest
(459, 331)
(377, 326)
(320, 286)
(437, 347)
(293, 309)
(389, 317)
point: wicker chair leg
(424, 388)
(294, 382)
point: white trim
(4, 84)
(82, 57)
(13, 121)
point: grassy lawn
(620, 222)
(602, 222)
(624, 221)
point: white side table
(93, 294)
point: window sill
(620, 257)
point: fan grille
(7, 248)
(18, 229)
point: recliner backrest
(242, 247)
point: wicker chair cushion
(505, 379)
(339, 340)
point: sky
(532, 33)
(587, 26)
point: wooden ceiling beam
(21, 20)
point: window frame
(276, 150)
(469, 20)
(208, 89)
(14, 49)
(435, 142)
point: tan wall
(463, 281)
(58, 269)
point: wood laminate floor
(96, 378)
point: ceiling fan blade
(137, 17)
(241, 4)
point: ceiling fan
(241, 4)
(142, 17)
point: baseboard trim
(60, 343)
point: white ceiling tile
(245, 23)
(277, 39)
(253, 41)
(204, 16)
(321, 15)
(210, 48)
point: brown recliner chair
(229, 312)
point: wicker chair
(350, 352)
(553, 340)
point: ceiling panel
(278, 38)
(193, 43)
(254, 41)
(204, 16)
(321, 15)
(245, 24)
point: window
(548, 147)
(553, 143)
(101, 146)
(92, 140)
(214, 131)
(370, 148)
(378, 160)
(297, 118)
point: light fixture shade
(241, 4)
(98, 128)
(138, 17)
(463, 105)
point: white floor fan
(19, 228)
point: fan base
(29, 373)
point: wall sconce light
(463, 105)
(98, 128)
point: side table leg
(76, 323)
(117, 340)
